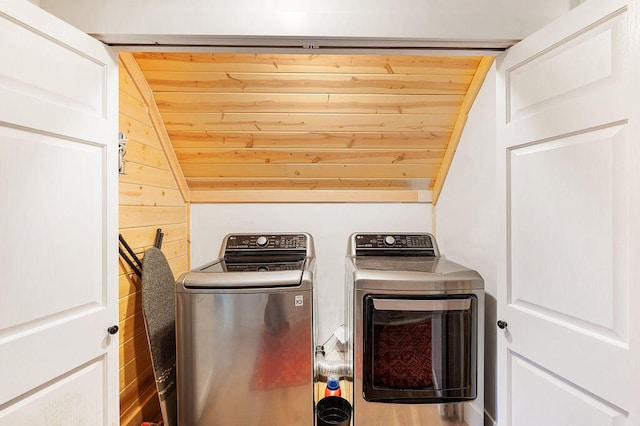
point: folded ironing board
(158, 307)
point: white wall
(466, 217)
(480, 20)
(330, 226)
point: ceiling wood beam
(311, 171)
(308, 140)
(236, 82)
(309, 122)
(197, 102)
(311, 155)
(210, 183)
(314, 63)
(313, 196)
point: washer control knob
(262, 241)
(389, 240)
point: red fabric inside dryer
(402, 356)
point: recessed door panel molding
(41, 368)
(40, 221)
(24, 48)
(573, 218)
(560, 402)
(582, 73)
(592, 56)
(606, 359)
(60, 402)
(36, 85)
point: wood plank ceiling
(289, 127)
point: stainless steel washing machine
(245, 334)
(416, 340)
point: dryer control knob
(262, 241)
(389, 240)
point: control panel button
(389, 240)
(262, 241)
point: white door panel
(564, 219)
(58, 222)
(568, 191)
(51, 70)
(47, 179)
(61, 402)
(559, 402)
(582, 72)
(80, 89)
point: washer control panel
(266, 241)
(395, 244)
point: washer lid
(242, 280)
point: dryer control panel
(395, 244)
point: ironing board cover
(158, 306)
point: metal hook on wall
(122, 150)
(158, 241)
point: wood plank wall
(150, 198)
